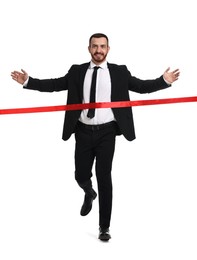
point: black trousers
(97, 144)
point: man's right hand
(20, 77)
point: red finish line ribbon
(117, 104)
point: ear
(89, 49)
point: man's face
(98, 49)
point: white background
(154, 210)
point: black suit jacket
(121, 83)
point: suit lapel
(114, 82)
(83, 70)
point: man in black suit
(96, 129)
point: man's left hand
(171, 76)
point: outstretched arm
(43, 85)
(20, 77)
(171, 76)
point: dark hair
(98, 35)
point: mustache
(98, 53)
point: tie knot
(96, 67)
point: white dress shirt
(103, 94)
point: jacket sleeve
(146, 86)
(50, 85)
(47, 85)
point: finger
(175, 71)
(15, 72)
(24, 71)
(167, 69)
(14, 77)
(176, 74)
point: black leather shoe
(104, 234)
(87, 204)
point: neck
(98, 63)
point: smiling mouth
(98, 54)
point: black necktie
(91, 111)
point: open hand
(19, 77)
(171, 76)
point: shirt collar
(102, 65)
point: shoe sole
(104, 239)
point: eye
(103, 46)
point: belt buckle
(95, 127)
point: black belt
(97, 127)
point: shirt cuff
(167, 82)
(26, 82)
